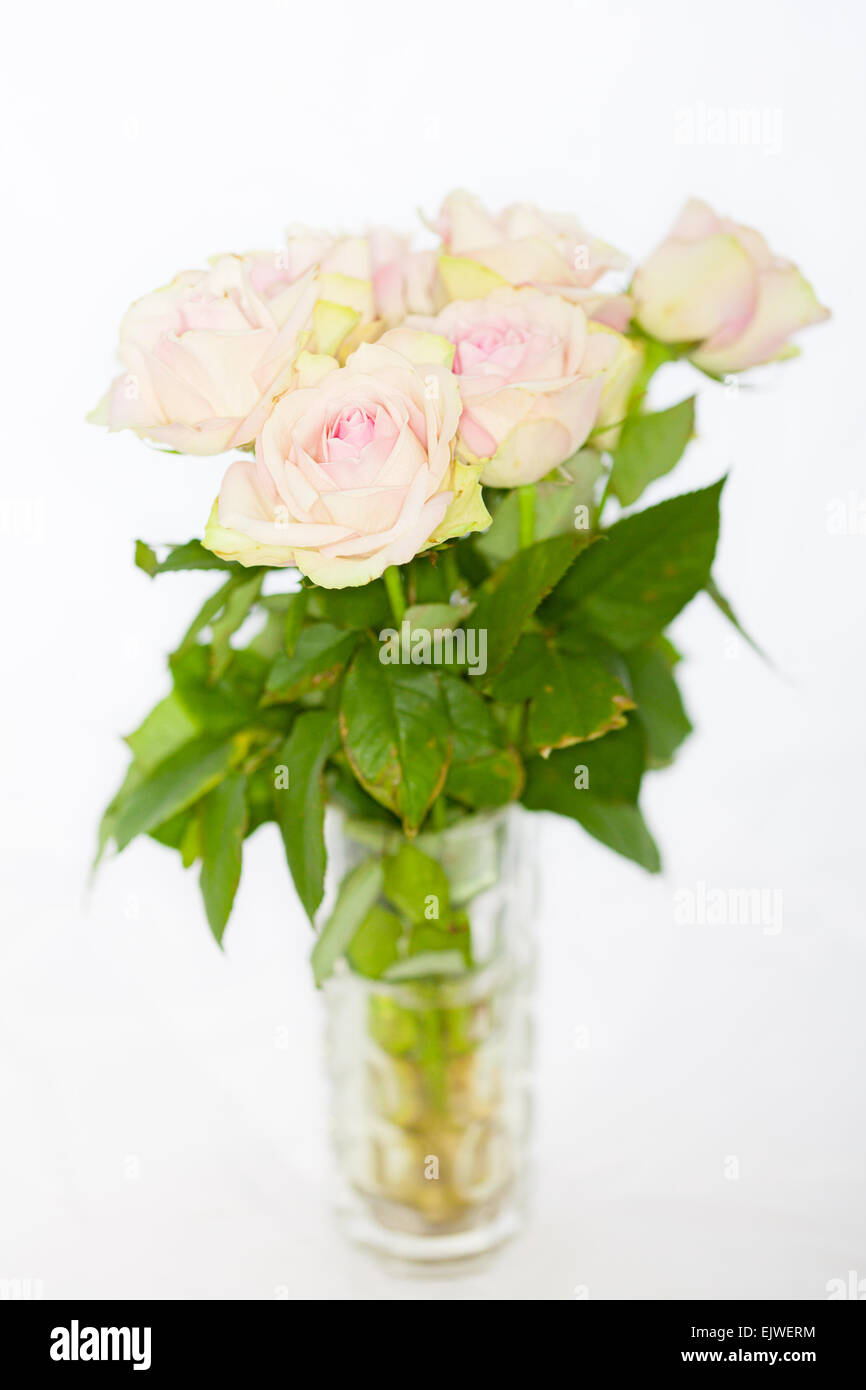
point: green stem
(526, 515)
(432, 1058)
(603, 497)
(396, 597)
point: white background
(162, 1104)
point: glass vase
(429, 1077)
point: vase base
(408, 1245)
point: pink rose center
(358, 435)
(352, 431)
(497, 346)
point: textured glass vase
(430, 1102)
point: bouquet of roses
(422, 613)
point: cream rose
(531, 371)
(205, 356)
(717, 285)
(355, 471)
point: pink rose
(404, 281)
(205, 356)
(522, 245)
(354, 472)
(614, 310)
(718, 285)
(307, 248)
(531, 372)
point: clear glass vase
(430, 1095)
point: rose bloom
(404, 281)
(307, 248)
(205, 355)
(354, 471)
(520, 246)
(531, 371)
(716, 284)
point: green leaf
(176, 783)
(550, 786)
(396, 733)
(146, 559)
(348, 792)
(556, 501)
(724, 607)
(433, 617)
(357, 894)
(614, 764)
(107, 826)
(427, 578)
(373, 948)
(223, 826)
(190, 846)
(261, 797)
(239, 600)
(649, 446)
(573, 696)
(416, 885)
(172, 831)
(659, 705)
(208, 610)
(426, 636)
(473, 726)
(320, 655)
(454, 934)
(487, 781)
(597, 784)
(483, 773)
(269, 641)
(609, 769)
(226, 704)
(166, 728)
(426, 964)
(301, 805)
(623, 829)
(471, 565)
(295, 612)
(636, 579)
(511, 595)
(360, 608)
(191, 556)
